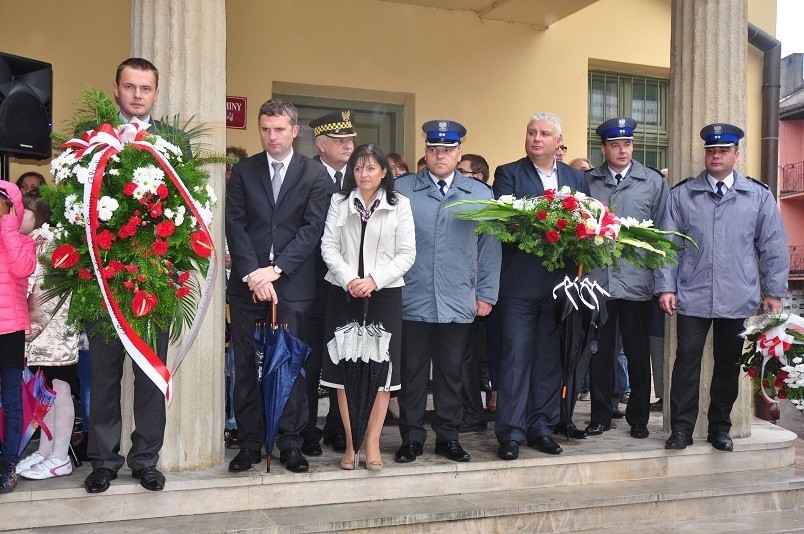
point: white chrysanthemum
(206, 215)
(506, 199)
(580, 195)
(106, 207)
(115, 158)
(169, 213)
(46, 232)
(178, 220)
(211, 193)
(797, 360)
(114, 172)
(61, 167)
(82, 174)
(73, 210)
(147, 179)
(518, 204)
(165, 147)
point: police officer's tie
(618, 178)
(720, 189)
(276, 180)
(338, 176)
(441, 185)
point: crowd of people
(351, 235)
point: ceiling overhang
(538, 14)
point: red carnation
(550, 194)
(765, 383)
(541, 215)
(129, 188)
(165, 229)
(105, 239)
(551, 235)
(108, 272)
(84, 273)
(561, 224)
(183, 277)
(141, 278)
(782, 394)
(782, 374)
(127, 230)
(779, 382)
(580, 231)
(162, 191)
(64, 257)
(752, 372)
(159, 247)
(201, 243)
(155, 210)
(182, 292)
(131, 269)
(142, 303)
(128, 284)
(570, 203)
(116, 265)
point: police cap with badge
(337, 124)
(721, 134)
(444, 133)
(617, 128)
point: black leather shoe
(545, 444)
(337, 442)
(150, 478)
(472, 427)
(408, 452)
(657, 406)
(99, 480)
(245, 459)
(572, 431)
(617, 414)
(508, 450)
(595, 429)
(678, 441)
(639, 432)
(721, 441)
(452, 450)
(311, 447)
(294, 460)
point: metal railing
(792, 179)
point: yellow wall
(491, 76)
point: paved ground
(793, 420)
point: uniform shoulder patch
(685, 180)
(763, 184)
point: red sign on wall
(236, 112)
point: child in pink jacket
(17, 262)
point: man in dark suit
(530, 368)
(276, 204)
(334, 139)
(136, 88)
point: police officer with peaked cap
(334, 139)
(640, 192)
(741, 263)
(454, 279)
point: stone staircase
(605, 482)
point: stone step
(613, 458)
(765, 501)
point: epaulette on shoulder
(685, 180)
(655, 169)
(486, 184)
(763, 184)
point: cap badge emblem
(442, 125)
(718, 128)
(345, 115)
(621, 123)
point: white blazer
(389, 246)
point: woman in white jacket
(53, 347)
(369, 243)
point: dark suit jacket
(522, 274)
(293, 225)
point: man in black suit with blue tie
(530, 368)
(276, 204)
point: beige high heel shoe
(373, 465)
(350, 466)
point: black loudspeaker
(25, 106)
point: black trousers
(728, 346)
(471, 391)
(334, 424)
(247, 398)
(633, 318)
(106, 370)
(443, 344)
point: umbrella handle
(580, 270)
(274, 315)
(365, 310)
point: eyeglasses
(563, 148)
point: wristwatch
(277, 270)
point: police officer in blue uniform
(455, 278)
(741, 262)
(640, 192)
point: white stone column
(186, 40)
(708, 81)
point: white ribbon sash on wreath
(108, 142)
